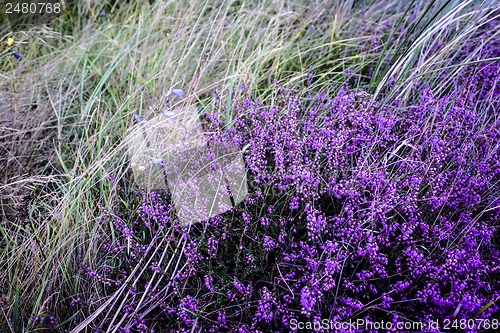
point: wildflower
(294, 203)
(155, 268)
(16, 55)
(178, 92)
(268, 243)
(102, 14)
(187, 308)
(75, 302)
(137, 118)
(307, 300)
(209, 283)
(10, 41)
(265, 306)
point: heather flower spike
(178, 92)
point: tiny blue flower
(178, 92)
(102, 14)
(168, 113)
(137, 118)
(16, 55)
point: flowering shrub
(358, 210)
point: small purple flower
(155, 268)
(209, 283)
(75, 302)
(268, 243)
(239, 286)
(16, 55)
(294, 203)
(307, 300)
(137, 118)
(178, 92)
(127, 308)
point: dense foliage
(357, 210)
(368, 133)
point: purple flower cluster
(357, 210)
(44, 324)
(383, 212)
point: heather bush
(357, 210)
